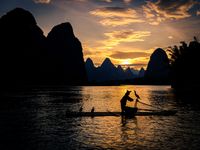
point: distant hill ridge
(107, 71)
(157, 72)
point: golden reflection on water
(116, 131)
(108, 97)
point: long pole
(149, 105)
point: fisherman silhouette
(124, 100)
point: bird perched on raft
(137, 96)
(92, 110)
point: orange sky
(126, 31)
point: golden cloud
(116, 16)
(129, 55)
(42, 1)
(119, 21)
(114, 12)
(117, 37)
(87, 53)
(141, 62)
(157, 12)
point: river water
(35, 119)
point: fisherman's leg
(122, 109)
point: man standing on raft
(129, 111)
(124, 100)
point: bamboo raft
(139, 113)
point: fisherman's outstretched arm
(130, 99)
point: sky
(126, 31)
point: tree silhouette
(185, 61)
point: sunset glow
(126, 61)
(126, 31)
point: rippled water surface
(35, 119)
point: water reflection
(35, 119)
(129, 128)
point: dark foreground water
(35, 119)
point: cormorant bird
(92, 110)
(137, 96)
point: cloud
(119, 21)
(117, 37)
(114, 12)
(162, 10)
(87, 52)
(129, 55)
(42, 1)
(116, 16)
